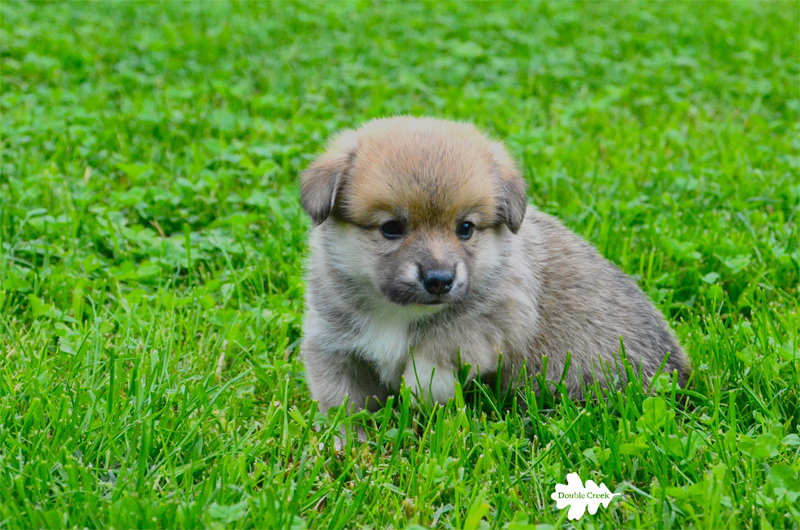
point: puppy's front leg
(433, 369)
(335, 378)
(427, 380)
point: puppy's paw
(340, 440)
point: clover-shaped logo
(578, 497)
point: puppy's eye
(392, 229)
(465, 230)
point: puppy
(425, 253)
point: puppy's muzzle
(438, 281)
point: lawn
(152, 245)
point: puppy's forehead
(430, 171)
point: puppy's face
(418, 210)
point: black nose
(438, 281)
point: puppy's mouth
(412, 295)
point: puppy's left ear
(320, 182)
(511, 197)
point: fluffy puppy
(425, 253)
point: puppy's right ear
(513, 201)
(320, 182)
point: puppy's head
(419, 209)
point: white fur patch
(426, 380)
(461, 277)
(409, 272)
(385, 341)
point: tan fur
(524, 286)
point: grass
(152, 241)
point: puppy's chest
(387, 344)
